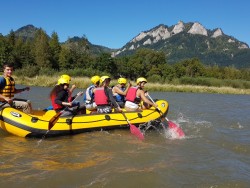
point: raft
(36, 125)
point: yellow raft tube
(21, 124)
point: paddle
(171, 125)
(2, 104)
(133, 129)
(55, 118)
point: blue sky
(112, 23)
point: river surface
(214, 153)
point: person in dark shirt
(61, 98)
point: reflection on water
(214, 153)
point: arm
(119, 91)
(21, 90)
(111, 98)
(72, 88)
(8, 100)
(145, 99)
(61, 99)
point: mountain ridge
(192, 39)
(178, 42)
(161, 32)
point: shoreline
(84, 82)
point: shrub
(28, 71)
(155, 78)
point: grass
(84, 82)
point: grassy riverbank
(84, 82)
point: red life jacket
(55, 105)
(58, 106)
(131, 94)
(100, 97)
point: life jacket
(131, 95)
(9, 89)
(58, 106)
(54, 104)
(119, 97)
(100, 97)
(89, 95)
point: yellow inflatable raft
(37, 125)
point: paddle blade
(53, 120)
(176, 129)
(135, 131)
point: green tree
(55, 49)
(79, 48)
(105, 63)
(65, 60)
(168, 72)
(122, 67)
(9, 48)
(231, 72)
(213, 71)
(41, 49)
(27, 57)
(190, 67)
(3, 48)
(144, 60)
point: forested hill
(178, 42)
(28, 32)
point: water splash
(240, 126)
(172, 134)
(191, 128)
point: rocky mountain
(188, 40)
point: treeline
(45, 55)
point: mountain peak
(197, 28)
(179, 27)
(218, 32)
(26, 28)
(27, 31)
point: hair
(8, 65)
(56, 89)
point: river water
(214, 153)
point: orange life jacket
(9, 89)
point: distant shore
(84, 82)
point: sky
(113, 23)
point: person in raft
(61, 99)
(89, 99)
(120, 91)
(104, 97)
(136, 95)
(67, 77)
(8, 90)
